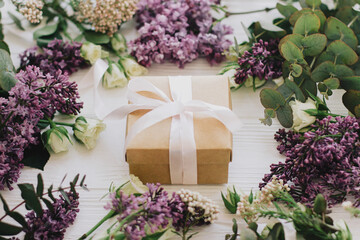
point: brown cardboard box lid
(210, 134)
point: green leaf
(36, 156)
(50, 193)
(251, 197)
(285, 10)
(64, 194)
(284, 115)
(31, 200)
(314, 44)
(294, 38)
(343, 52)
(320, 204)
(48, 204)
(350, 83)
(45, 31)
(96, 37)
(228, 205)
(276, 232)
(16, 21)
(291, 52)
(253, 226)
(154, 236)
(313, 3)
(234, 226)
(337, 30)
(3, 45)
(270, 98)
(1, 4)
(296, 70)
(40, 185)
(328, 69)
(307, 23)
(332, 83)
(7, 80)
(351, 100)
(8, 229)
(82, 181)
(295, 88)
(296, 15)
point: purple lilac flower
(53, 224)
(263, 61)
(58, 55)
(178, 31)
(324, 160)
(34, 96)
(153, 209)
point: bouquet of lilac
(178, 31)
(324, 159)
(150, 212)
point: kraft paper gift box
(148, 153)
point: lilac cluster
(154, 209)
(58, 55)
(34, 96)
(263, 61)
(324, 160)
(53, 223)
(178, 31)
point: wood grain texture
(254, 147)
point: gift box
(148, 152)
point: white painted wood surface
(254, 146)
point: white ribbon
(182, 147)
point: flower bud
(134, 186)
(56, 139)
(118, 42)
(302, 119)
(132, 68)
(114, 77)
(90, 52)
(87, 131)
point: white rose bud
(132, 68)
(87, 131)
(302, 119)
(114, 77)
(90, 52)
(249, 82)
(134, 185)
(118, 43)
(56, 139)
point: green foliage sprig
(320, 55)
(34, 199)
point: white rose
(90, 52)
(118, 43)
(57, 139)
(302, 119)
(249, 82)
(87, 131)
(114, 77)
(132, 68)
(134, 186)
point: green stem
(248, 12)
(107, 216)
(54, 123)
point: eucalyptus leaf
(295, 88)
(294, 38)
(343, 52)
(307, 23)
(337, 30)
(314, 44)
(296, 15)
(313, 3)
(332, 83)
(284, 115)
(286, 10)
(31, 200)
(351, 100)
(7, 80)
(291, 52)
(6, 63)
(247, 234)
(3, 45)
(271, 98)
(296, 70)
(350, 83)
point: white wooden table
(254, 146)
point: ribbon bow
(182, 147)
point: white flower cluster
(107, 15)
(199, 206)
(31, 9)
(250, 210)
